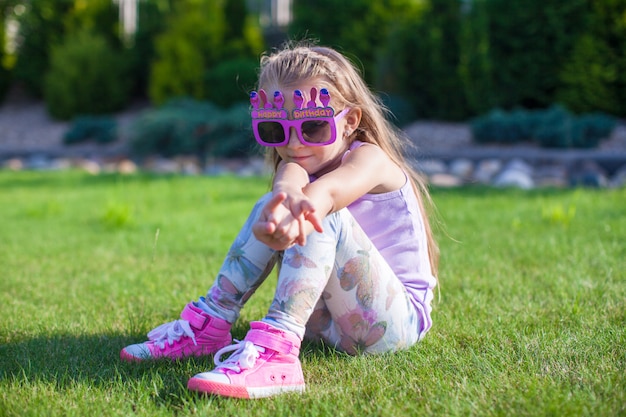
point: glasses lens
(271, 132)
(316, 131)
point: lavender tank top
(394, 224)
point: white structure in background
(128, 18)
(273, 14)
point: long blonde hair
(298, 63)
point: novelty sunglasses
(315, 126)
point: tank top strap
(353, 146)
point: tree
(594, 75)
(529, 41)
(357, 28)
(197, 41)
(422, 56)
(40, 27)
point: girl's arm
(299, 206)
(366, 169)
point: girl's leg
(247, 264)
(366, 310)
(204, 325)
(339, 288)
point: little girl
(345, 223)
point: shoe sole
(127, 357)
(226, 390)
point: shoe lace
(244, 356)
(171, 332)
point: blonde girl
(344, 223)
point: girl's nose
(294, 142)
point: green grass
(530, 320)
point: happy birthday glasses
(314, 125)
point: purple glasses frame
(264, 112)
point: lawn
(529, 320)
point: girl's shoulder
(362, 145)
(371, 158)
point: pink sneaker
(266, 363)
(195, 334)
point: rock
(37, 162)
(486, 170)
(519, 165)
(162, 166)
(554, 175)
(61, 164)
(13, 164)
(126, 166)
(462, 168)
(517, 174)
(587, 174)
(188, 165)
(445, 180)
(90, 166)
(431, 167)
(619, 178)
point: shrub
(527, 43)
(86, 77)
(151, 17)
(40, 26)
(589, 78)
(361, 37)
(5, 73)
(402, 111)
(230, 81)
(421, 61)
(589, 129)
(185, 126)
(178, 70)
(499, 126)
(101, 129)
(194, 52)
(5, 82)
(593, 77)
(554, 127)
(233, 136)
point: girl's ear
(353, 119)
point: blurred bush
(203, 40)
(357, 28)
(151, 21)
(588, 78)
(5, 73)
(40, 26)
(86, 76)
(554, 127)
(447, 59)
(421, 60)
(5, 81)
(593, 76)
(231, 81)
(185, 126)
(401, 110)
(102, 130)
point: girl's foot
(264, 364)
(195, 334)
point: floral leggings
(337, 288)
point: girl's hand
(283, 224)
(276, 227)
(302, 208)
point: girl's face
(316, 160)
